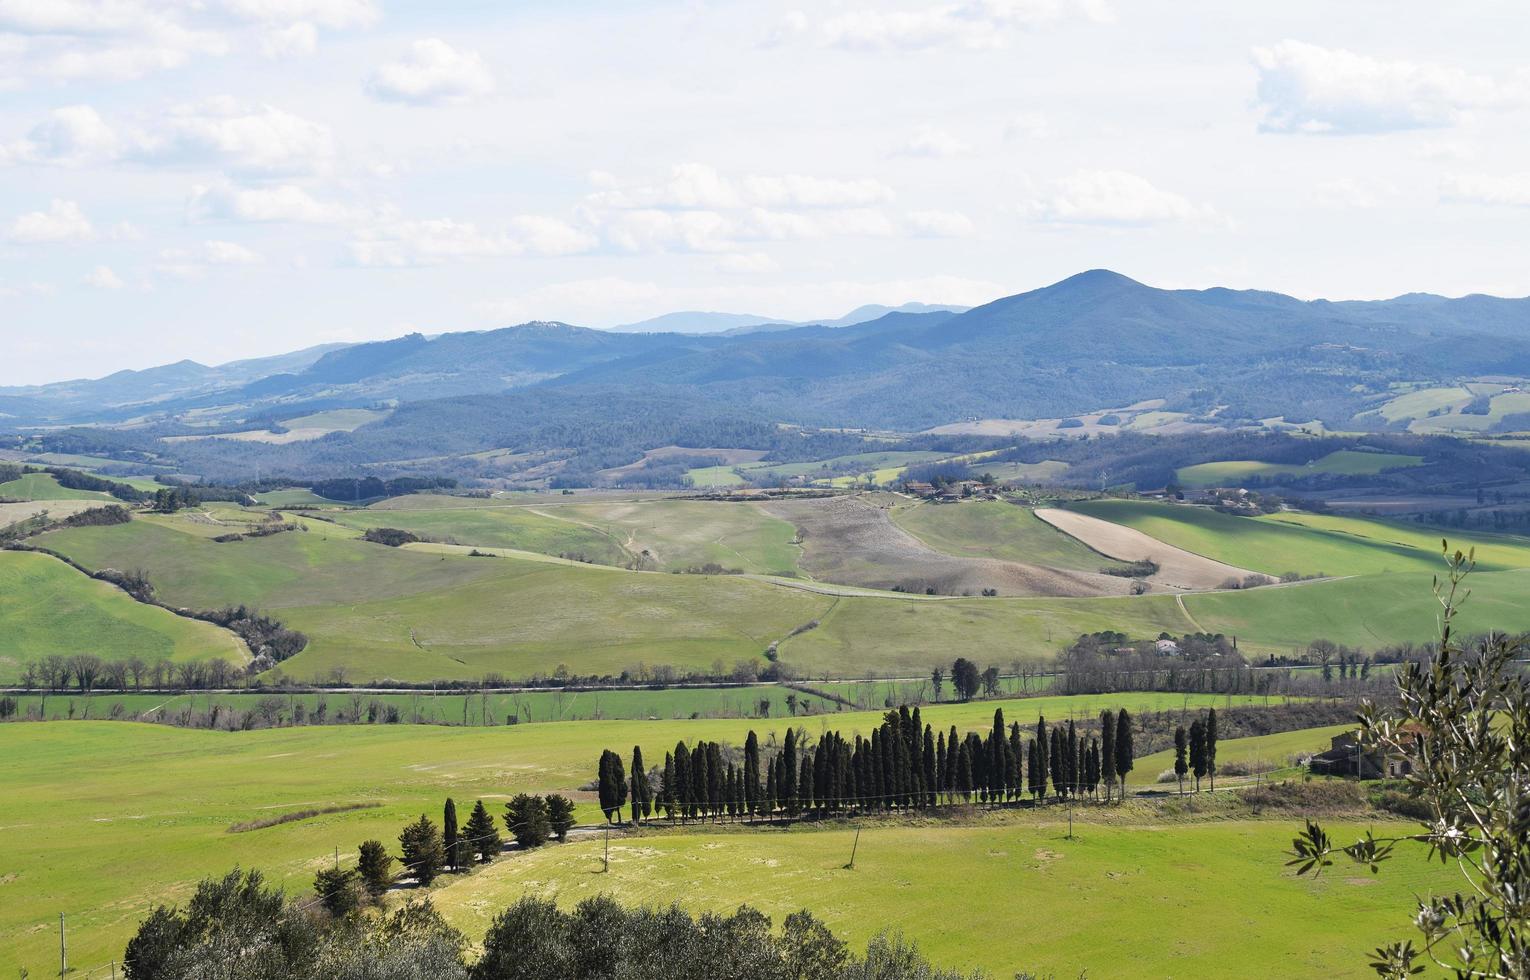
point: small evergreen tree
(481, 833)
(1198, 751)
(423, 853)
(560, 815)
(1108, 751)
(642, 796)
(339, 891)
(375, 866)
(526, 819)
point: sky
(221, 179)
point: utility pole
(607, 869)
(853, 848)
(63, 950)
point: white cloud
(326, 13)
(225, 201)
(1304, 88)
(1110, 197)
(1512, 189)
(70, 136)
(292, 41)
(258, 141)
(796, 190)
(1350, 192)
(192, 263)
(440, 241)
(745, 263)
(940, 224)
(102, 277)
(699, 186)
(432, 73)
(973, 24)
(929, 141)
(62, 222)
(112, 40)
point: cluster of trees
(904, 764)
(238, 925)
(87, 672)
(1195, 751)
(170, 499)
(391, 536)
(427, 850)
(368, 487)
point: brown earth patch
(1177, 568)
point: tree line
(904, 764)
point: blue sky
(229, 178)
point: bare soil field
(1177, 568)
(853, 541)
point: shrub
(391, 536)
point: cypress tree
(964, 772)
(449, 832)
(942, 770)
(481, 833)
(1032, 768)
(1181, 744)
(769, 803)
(805, 784)
(642, 796)
(1041, 757)
(788, 772)
(1016, 762)
(752, 774)
(1211, 746)
(606, 785)
(618, 784)
(1125, 757)
(667, 791)
(716, 770)
(1198, 751)
(1071, 760)
(683, 781)
(931, 777)
(951, 766)
(1059, 774)
(1108, 751)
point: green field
(378, 612)
(681, 534)
(83, 802)
(714, 476)
(995, 529)
(48, 608)
(42, 486)
(1306, 543)
(293, 498)
(1500, 405)
(1343, 462)
(338, 420)
(1418, 404)
(498, 527)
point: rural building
(1346, 758)
(919, 489)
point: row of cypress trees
(1196, 751)
(904, 764)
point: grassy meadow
(996, 529)
(1343, 462)
(48, 608)
(80, 802)
(42, 486)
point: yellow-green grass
(1043, 472)
(83, 805)
(1344, 462)
(378, 612)
(445, 707)
(1304, 543)
(338, 420)
(908, 635)
(860, 462)
(294, 497)
(995, 529)
(1418, 404)
(682, 534)
(1366, 611)
(1500, 405)
(48, 608)
(1206, 899)
(499, 527)
(42, 486)
(714, 476)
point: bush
(391, 536)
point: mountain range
(1093, 341)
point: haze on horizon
(249, 177)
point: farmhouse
(1345, 757)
